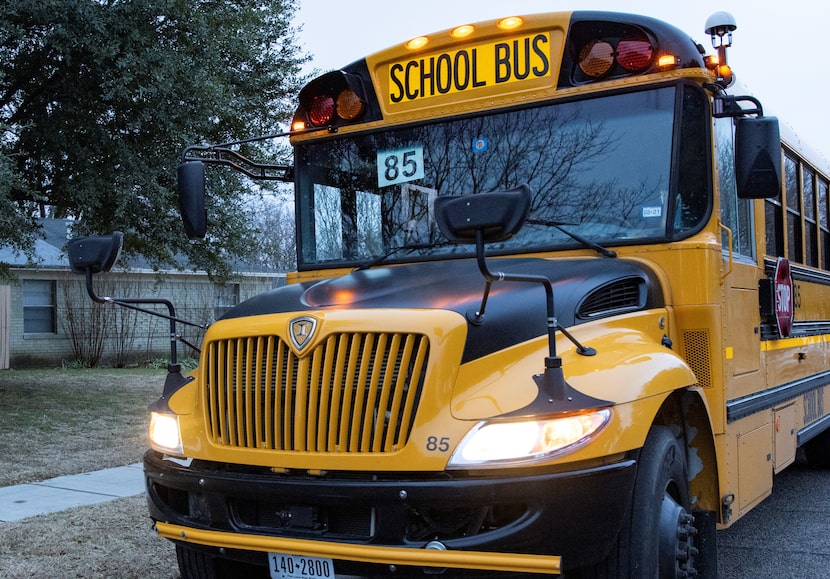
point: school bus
(561, 307)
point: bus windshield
(599, 168)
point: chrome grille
(354, 392)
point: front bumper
(517, 523)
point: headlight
(164, 433)
(501, 444)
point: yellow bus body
(706, 362)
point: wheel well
(684, 411)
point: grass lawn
(57, 422)
(112, 539)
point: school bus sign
(519, 59)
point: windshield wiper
(416, 246)
(393, 250)
(578, 238)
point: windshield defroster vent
(617, 297)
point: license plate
(286, 566)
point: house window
(39, 307)
(224, 298)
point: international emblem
(301, 330)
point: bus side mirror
(191, 190)
(757, 157)
(94, 254)
(497, 215)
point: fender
(632, 369)
(631, 363)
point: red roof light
(322, 110)
(635, 53)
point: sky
(779, 54)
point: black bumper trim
(575, 514)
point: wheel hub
(677, 533)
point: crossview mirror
(191, 190)
(757, 157)
(497, 215)
(90, 255)
(94, 254)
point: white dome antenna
(719, 27)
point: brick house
(47, 318)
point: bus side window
(811, 237)
(792, 191)
(736, 214)
(824, 225)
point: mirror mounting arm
(91, 255)
(727, 106)
(552, 381)
(222, 155)
(552, 322)
(491, 277)
(136, 303)
(494, 217)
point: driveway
(787, 535)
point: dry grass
(111, 539)
(57, 422)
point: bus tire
(817, 450)
(657, 539)
(195, 564)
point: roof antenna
(719, 27)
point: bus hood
(584, 290)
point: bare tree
(85, 322)
(124, 327)
(274, 220)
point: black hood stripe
(516, 311)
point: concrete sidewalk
(65, 492)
